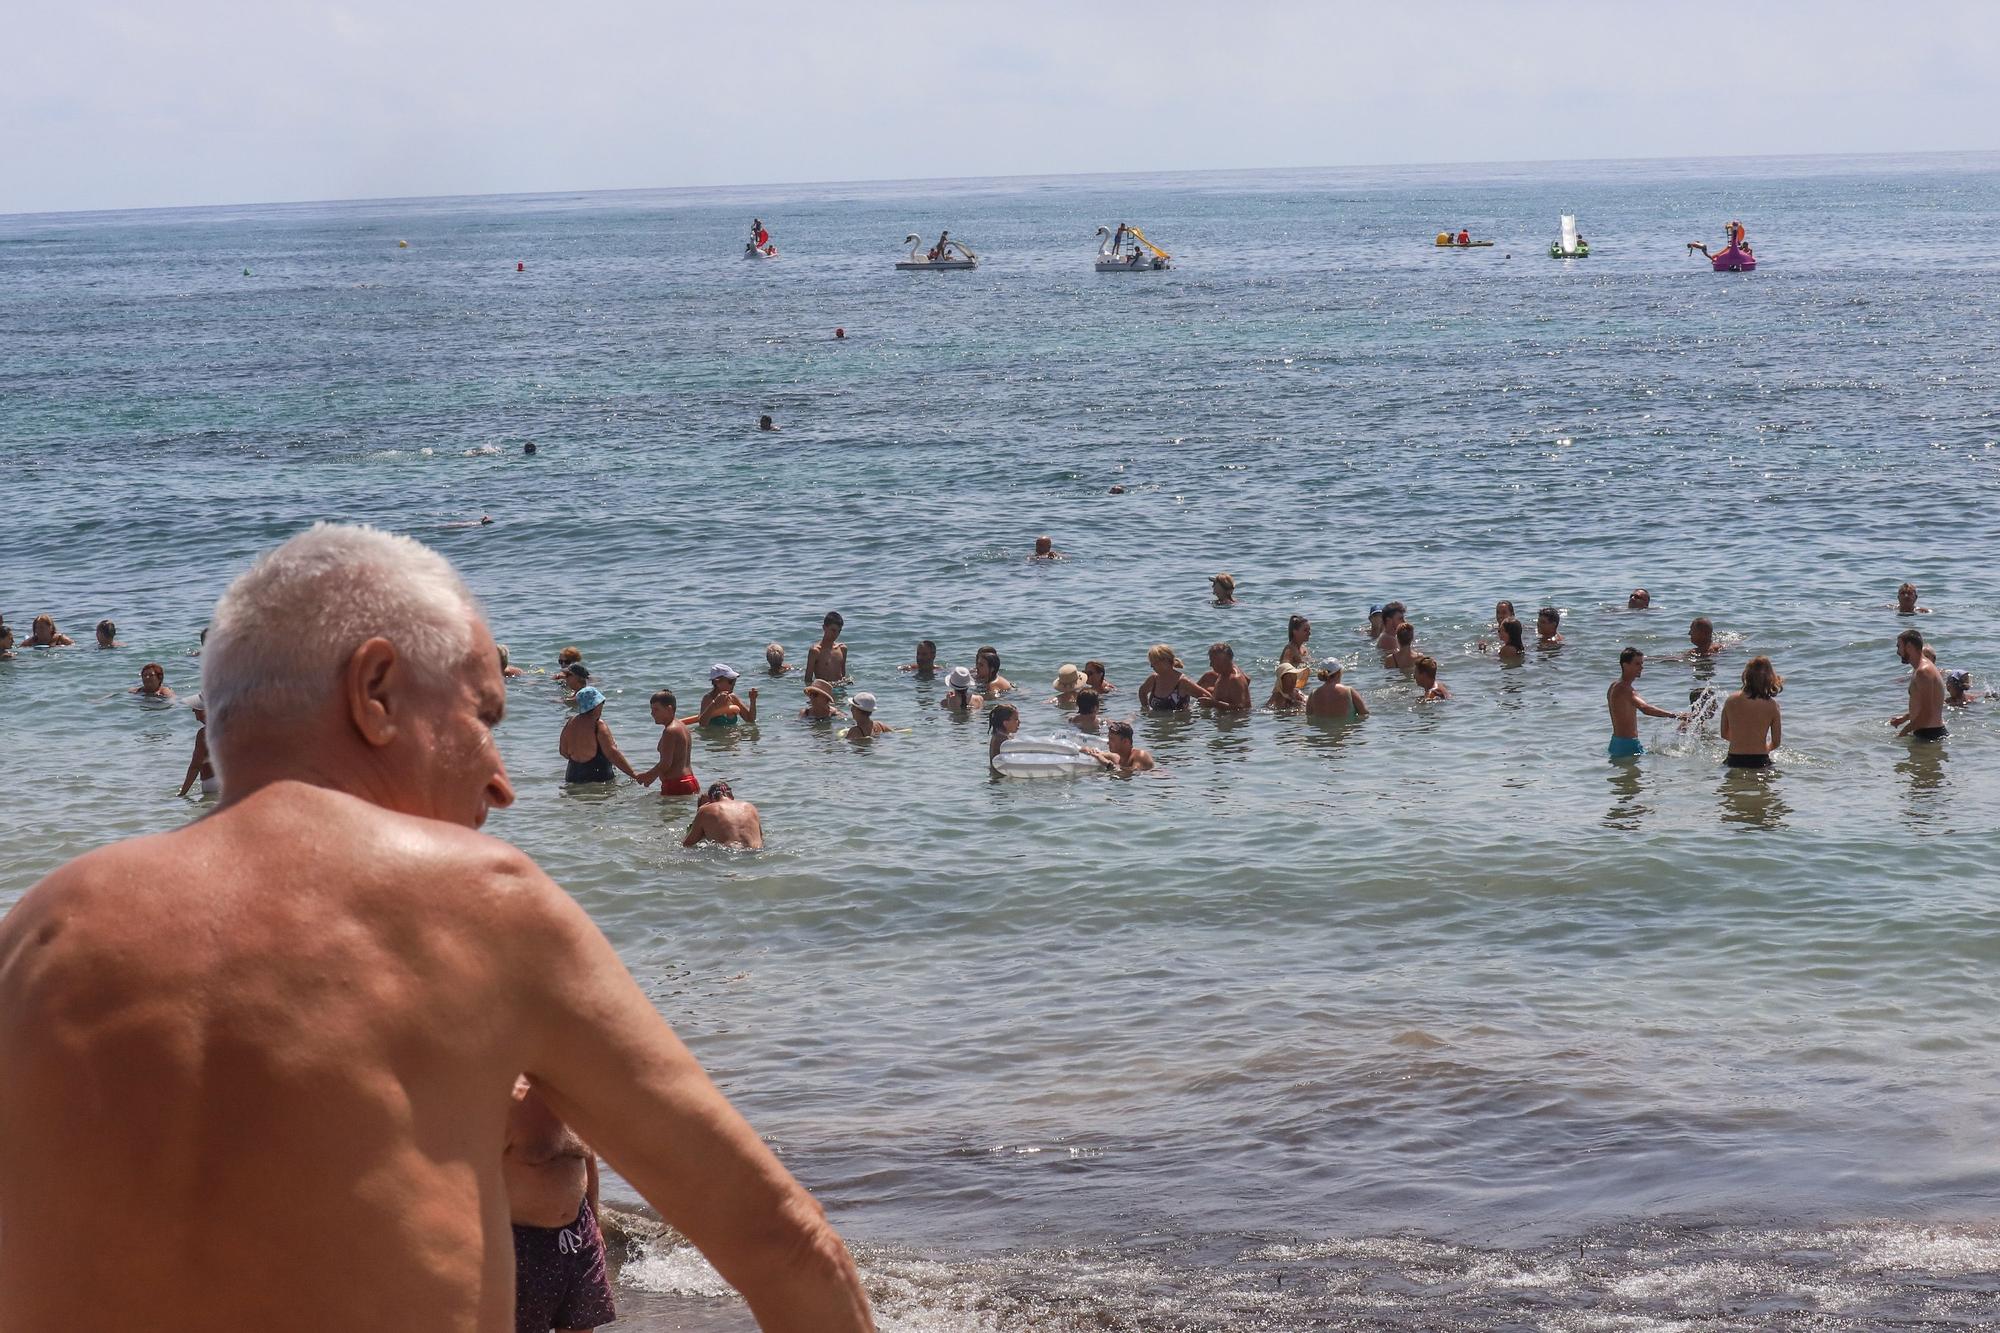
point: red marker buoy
(520, 267)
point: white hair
(285, 629)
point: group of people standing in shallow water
(1749, 720)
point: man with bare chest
(560, 1279)
(827, 659)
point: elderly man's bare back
(266, 1062)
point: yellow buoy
(402, 245)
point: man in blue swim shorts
(1626, 705)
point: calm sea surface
(1439, 1020)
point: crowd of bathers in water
(1749, 720)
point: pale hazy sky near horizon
(109, 105)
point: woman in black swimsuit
(586, 742)
(1167, 690)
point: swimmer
(1503, 611)
(529, 448)
(568, 657)
(720, 707)
(1924, 719)
(819, 703)
(1751, 721)
(1067, 682)
(1906, 602)
(765, 423)
(1088, 718)
(1513, 647)
(1374, 627)
(6, 642)
(958, 695)
(1121, 755)
(1223, 586)
(674, 772)
(827, 659)
(839, 334)
(152, 682)
(507, 667)
(926, 664)
(1393, 619)
(1227, 685)
(1168, 689)
(1701, 633)
(1958, 689)
(1045, 549)
(1640, 600)
(1002, 721)
(1289, 692)
(1426, 672)
(1298, 631)
(1403, 655)
(1626, 705)
(200, 767)
(865, 727)
(722, 819)
(107, 635)
(1333, 699)
(586, 742)
(1093, 676)
(774, 660)
(573, 678)
(479, 522)
(44, 634)
(986, 672)
(1548, 628)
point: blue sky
(133, 105)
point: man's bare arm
(609, 1065)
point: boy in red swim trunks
(675, 772)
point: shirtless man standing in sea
(1227, 685)
(827, 659)
(259, 1069)
(560, 1277)
(1924, 719)
(1625, 704)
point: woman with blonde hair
(1751, 722)
(1168, 689)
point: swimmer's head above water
(1640, 600)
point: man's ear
(372, 688)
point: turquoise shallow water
(1378, 1024)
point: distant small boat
(1143, 257)
(1734, 257)
(760, 245)
(1570, 245)
(1447, 241)
(946, 254)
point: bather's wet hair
(665, 699)
(997, 715)
(1087, 701)
(1760, 679)
(1511, 627)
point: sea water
(1437, 1020)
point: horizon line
(1007, 176)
